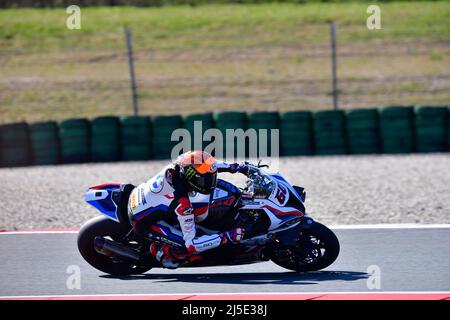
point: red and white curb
(252, 296)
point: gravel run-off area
(340, 189)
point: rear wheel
(104, 227)
(316, 249)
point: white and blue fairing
(276, 205)
(102, 198)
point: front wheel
(104, 227)
(316, 249)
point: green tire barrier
(329, 132)
(45, 148)
(448, 129)
(105, 139)
(230, 120)
(363, 132)
(264, 120)
(431, 129)
(296, 133)
(397, 129)
(163, 127)
(207, 122)
(15, 145)
(135, 138)
(74, 135)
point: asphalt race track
(407, 259)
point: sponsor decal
(142, 197)
(189, 174)
(166, 240)
(192, 194)
(281, 194)
(226, 202)
(133, 202)
(157, 185)
(206, 244)
(253, 203)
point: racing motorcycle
(268, 207)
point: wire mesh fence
(93, 80)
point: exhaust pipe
(110, 248)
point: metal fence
(58, 84)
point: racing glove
(236, 167)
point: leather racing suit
(166, 197)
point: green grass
(221, 57)
(219, 25)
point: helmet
(199, 169)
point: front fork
(287, 237)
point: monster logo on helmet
(190, 172)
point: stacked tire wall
(45, 147)
(230, 120)
(296, 133)
(387, 130)
(15, 145)
(397, 129)
(74, 135)
(163, 127)
(262, 123)
(329, 132)
(363, 131)
(197, 125)
(431, 125)
(136, 138)
(105, 139)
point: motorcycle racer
(167, 196)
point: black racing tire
(102, 226)
(329, 250)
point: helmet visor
(204, 183)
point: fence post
(131, 67)
(334, 63)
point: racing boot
(170, 257)
(235, 235)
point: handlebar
(258, 184)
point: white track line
(390, 226)
(226, 294)
(38, 232)
(336, 227)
